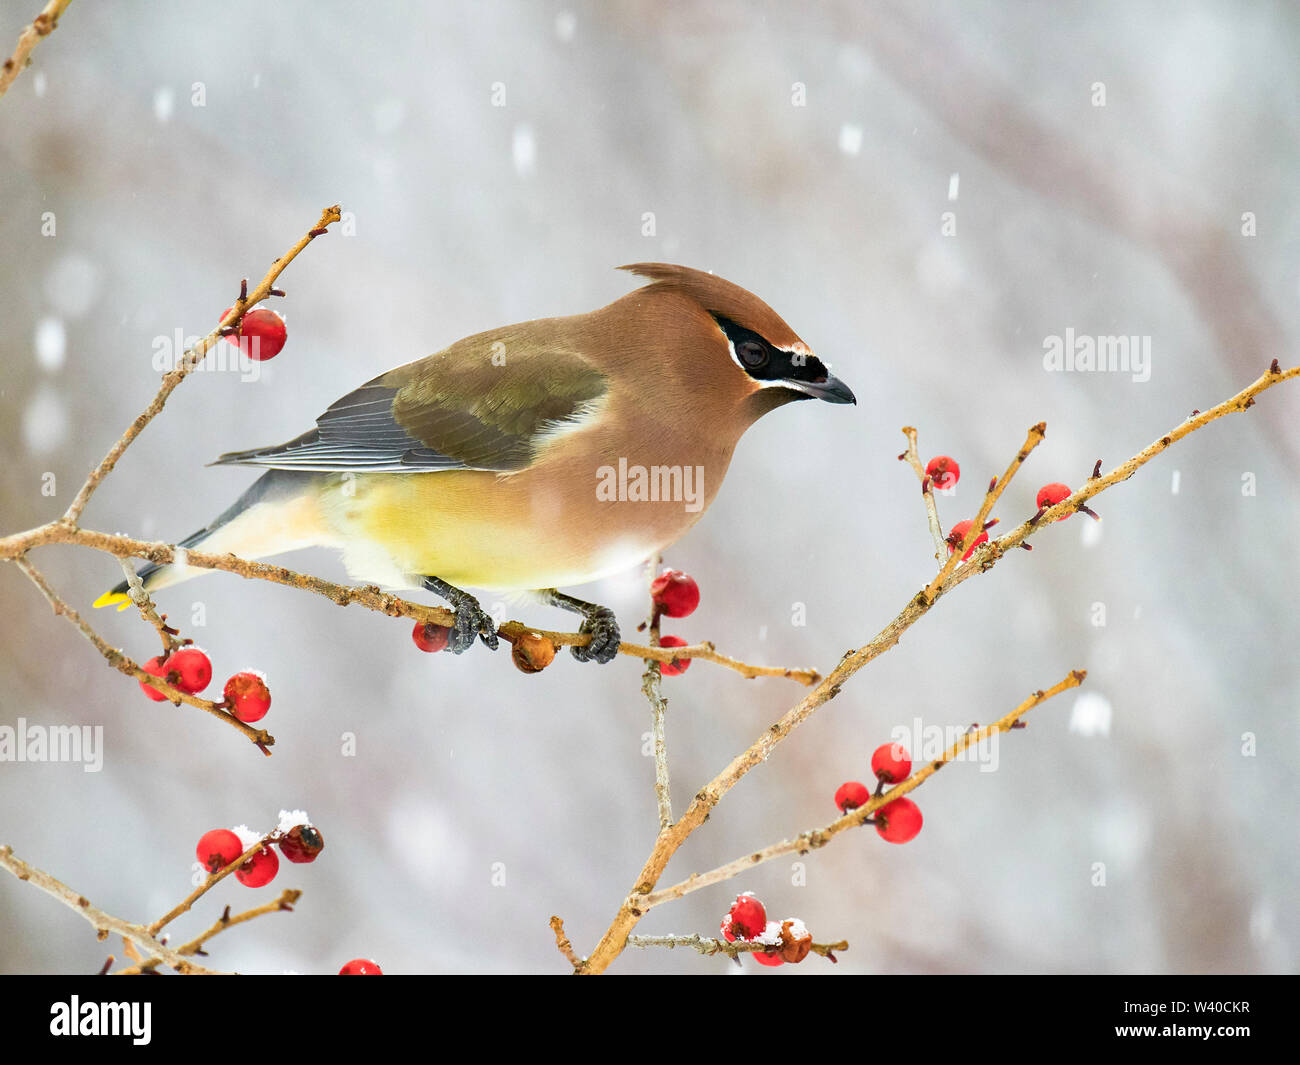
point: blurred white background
(1117, 219)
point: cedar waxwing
(550, 453)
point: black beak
(832, 390)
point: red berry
(898, 821)
(430, 637)
(192, 668)
(771, 935)
(259, 869)
(958, 535)
(891, 763)
(746, 918)
(1051, 494)
(248, 696)
(217, 849)
(677, 665)
(943, 472)
(852, 795)
(154, 667)
(361, 967)
(261, 333)
(302, 843)
(675, 594)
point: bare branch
(41, 26)
(913, 459)
(104, 924)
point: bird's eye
(751, 353)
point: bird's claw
(602, 626)
(471, 621)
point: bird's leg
(600, 623)
(471, 619)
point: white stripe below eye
(776, 382)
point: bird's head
(750, 355)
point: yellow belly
(503, 532)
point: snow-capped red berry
(851, 795)
(958, 535)
(247, 695)
(430, 637)
(302, 843)
(898, 821)
(261, 335)
(747, 918)
(943, 472)
(192, 667)
(771, 936)
(260, 869)
(796, 941)
(217, 849)
(891, 763)
(1051, 494)
(677, 665)
(361, 967)
(675, 594)
(156, 668)
(727, 933)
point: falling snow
(164, 103)
(45, 422)
(1091, 715)
(523, 150)
(51, 344)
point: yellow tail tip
(119, 599)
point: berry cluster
(298, 840)
(674, 594)
(189, 669)
(942, 472)
(787, 941)
(898, 821)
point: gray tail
(270, 486)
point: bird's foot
(471, 620)
(598, 622)
(605, 637)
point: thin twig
(913, 459)
(563, 945)
(284, 903)
(147, 609)
(709, 947)
(104, 924)
(41, 26)
(652, 688)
